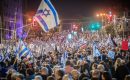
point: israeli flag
(6, 53)
(64, 58)
(111, 54)
(7, 57)
(111, 42)
(47, 16)
(96, 52)
(23, 50)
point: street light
(97, 15)
(101, 14)
(29, 19)
(104, 14)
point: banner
(125, 44)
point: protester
(106, 75)
(55, 57)
(38, 77)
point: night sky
(82, 8)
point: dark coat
(122, 71)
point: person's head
(14, 76)
(127, 77)
(106, 75)
(50, 78)
(38, 77)
(100, 67)
(55, 69)
(117, 63)
(44, 71)
(118, 60)
(10, 72)
(20, 77)
(36, 69)
(95, 74)
(123, 62)
(59, 74)
(94, 66)
(75, 74)
(65, 77)
(68, 63)
(83, 77)
(29, 71)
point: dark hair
(107, 75)
(36, 69)
(8, 76)
(13, 76)
(83, 77)
(30, 71)
(60, 73)
(68, 63)
(21, 76)
(127, 77)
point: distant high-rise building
(11, 18)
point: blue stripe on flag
(43, 22)
(52, 9)
(39, 11)
(22, 52)
(27, 53)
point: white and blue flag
(111, 42)
(6, 53)
(64, 58)
(23, 50)
(96, 52)
(7, 57)
(111, 54)
(47, 16)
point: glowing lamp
(97, 15)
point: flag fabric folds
(96, 52)
(64, 58)
(47, 16)
(7, 56)
(111, 42)
(111, 54)
(23, 50)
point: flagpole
(124, 25)
(15, 31)
(15, 19)
(27, 34)
(1, 36)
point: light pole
(1, 36)
(102, 15)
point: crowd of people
(64, 57)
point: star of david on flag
(47, 16)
